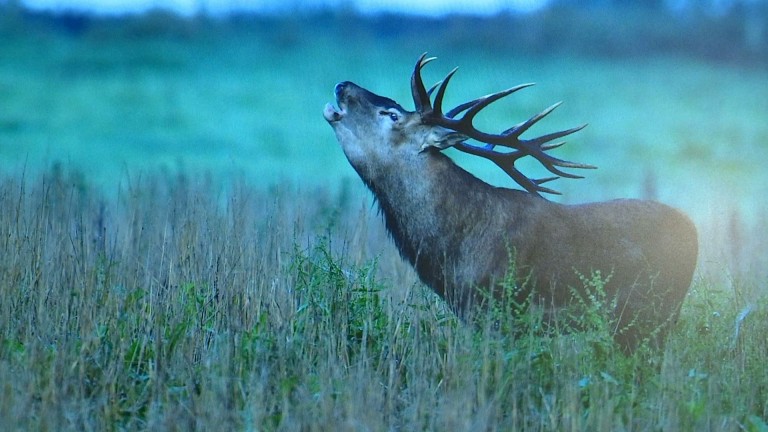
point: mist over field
(183, 238)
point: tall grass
(180, 303)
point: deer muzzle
(331, 113)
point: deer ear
(442, 138)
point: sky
(190, 7)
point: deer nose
(339, 89)
(345, 87)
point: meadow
(180, 306)
(184, 247)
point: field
(183, 245)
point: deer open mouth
(332, 114)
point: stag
(458, 231)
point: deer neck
(426, 203)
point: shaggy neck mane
(429, 219)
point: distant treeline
(735, 34)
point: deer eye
(392, 116)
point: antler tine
(533, 186)
(519, 129)
(552, 164)
(434, 86)
(482, 102)
(489, 99)
(420, 95)
(438, 105)
(553, 136)
(548, 147)
(463, 107)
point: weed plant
(182, 304)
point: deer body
(457, 231)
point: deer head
(373, 130)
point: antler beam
(432, 113)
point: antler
(510, 138)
